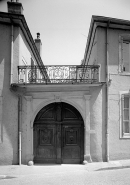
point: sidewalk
(16, 170)
(108, 165)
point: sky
(64, 25)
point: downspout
(19, 97)
(19, 127)
(107, 93)
(12, 43)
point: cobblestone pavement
(66, 175)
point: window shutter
(120, 54)
(122, 108)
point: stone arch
(43, 104)
(58, 134)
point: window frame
(122, 134)
(125, 38)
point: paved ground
(112, 173)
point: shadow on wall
(104, 124)
(9, 107)
(96, 125)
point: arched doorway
(58, 135)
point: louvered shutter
(120, 54)
(122, 117)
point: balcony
(58, 74)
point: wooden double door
(58, 135)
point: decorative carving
(71, 137)
(57, 98)
(71, 130)
(45, 136)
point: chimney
(38, 43)
(15, 7)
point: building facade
(63, 114)
(108, 46)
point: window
(125, 115)
(124, 54)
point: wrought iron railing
(58, 74)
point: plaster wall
(98, 105)
(97, 138)
(8, 99)
(16, 52)
(97, 52)
(101, 52)
(92, 57)
(8, 103)
(119, 147)
(113, 37)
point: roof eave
(104, 21)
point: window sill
(125, 136)
(124, 73)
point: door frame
(58, 130)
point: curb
(108, 165)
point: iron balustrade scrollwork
(58, 74)
(31, 74)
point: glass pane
(126, 114)
(126, 127)
(126, 102)
(125, 56)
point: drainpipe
(12, 40)
(19, 97)
(107, 93)
(19, 126)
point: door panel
(45, 147)
(71, 144)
